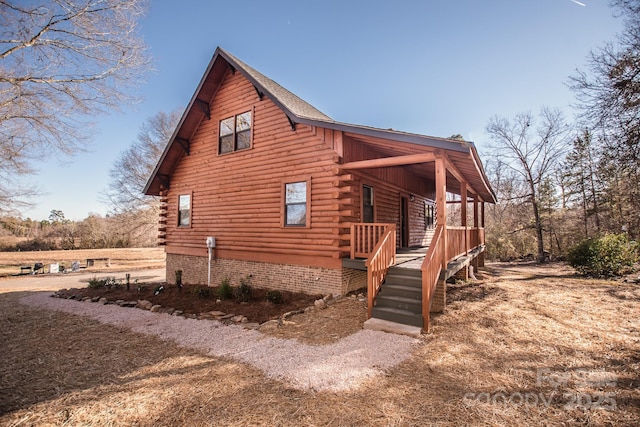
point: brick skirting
(286, 277)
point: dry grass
(60, 369)
(10, 262)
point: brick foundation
(286, 277)
(439, 301)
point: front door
(404, 222)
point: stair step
(396, 279)
(392, 327)
(401, 291)
(397, 315)
(409, 304)
(401, 271)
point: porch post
(476, 263)
(439, 297)
(441, 203)
(475, 211)
(463, 214)
(481, 257)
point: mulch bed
(257, 309)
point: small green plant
(202, 291)
(179, 279)
(225, 290)
(243, 292)
(108, 282)
(606, 256)
(112, 282)
(275, 297)
(95, 283)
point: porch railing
(365, 237)
(382, 257)
(431, 268)
(457, 238)
(456, 242)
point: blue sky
(431, 67)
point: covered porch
(406, 284)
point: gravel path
(339, 366)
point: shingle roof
(291, 102)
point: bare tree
(61, 63)
(128, 175)
(531, 152)
(133, 167)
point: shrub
(606, 256)
(225, 290)
(109, 282)
(95, 283)
(275, 297)
(202, 291)
(243, 292)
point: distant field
(10, 262)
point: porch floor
(412, 258)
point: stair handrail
(431, 268)
(382, 257)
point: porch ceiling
(461, 154)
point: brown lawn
(10, 262)
(526, 345)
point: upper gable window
(235, 133)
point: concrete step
(392, 327)
(409, 304)
(396, 315)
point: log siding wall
(237, 197)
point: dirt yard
(525, 345)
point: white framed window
(184, 210)
(296, 198)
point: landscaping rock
(177, 313)
(320, 304)
(103, 301)
(155, 308)
(129, 304)
(95, 299)
(86, 299)
(119, 302)
(144, 304)
(217, 313)
(327, 298)
(292, 313)
(269, 325)
(167, 310)
(225, 317)
(239, 319)
(251, 325)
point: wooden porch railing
(382, 257)
(431, 268)
(456, 242)
(456, 245)
(365, 237)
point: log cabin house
(302, 202)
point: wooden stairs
(400, 298)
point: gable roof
(297, 111)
